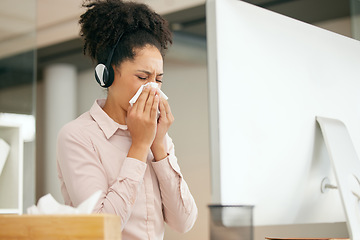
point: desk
(65, 227)
(268, 238)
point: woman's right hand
(142, 123)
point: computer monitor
(270, 76)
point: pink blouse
(92, 155)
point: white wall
(88, 91)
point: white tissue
(137, 94)
(48, 205)
(4, 153)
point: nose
(152, 78)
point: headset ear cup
(111, 76)
(101, 74)
(104, 75)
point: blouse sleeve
(81, 173)
(180, 211)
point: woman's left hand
(164, 122)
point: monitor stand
(346, 166)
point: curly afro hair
(105, 20)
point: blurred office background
(45, 81)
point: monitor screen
(269, 77)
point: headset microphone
(104, 73)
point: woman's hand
(165, 120)
(142, 123)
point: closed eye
(141, 78)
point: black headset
(104, 73)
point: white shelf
(11, 178)
(10, 211)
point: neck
(115, 111)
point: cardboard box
(91, 227)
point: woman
(124, 150)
